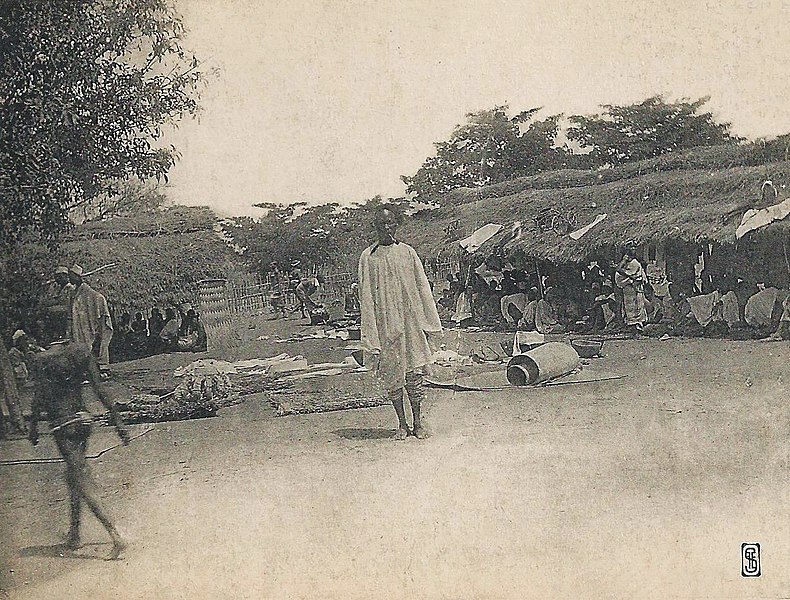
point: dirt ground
(639, 488)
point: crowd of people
(619, 296)
(178, 330)
(77, 311)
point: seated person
(604, 307)
(156, 322)
(547, 313)
(680, 318)
(138, 324)
(487, 304)
(764, 310)
(192, 334)
(653, 305)
(137, 338)
(570, 313)
(527, 321)
(168, 336)
(783, 329)
(512, 305)
(731, 310)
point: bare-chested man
(59, 373)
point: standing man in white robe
(91, 323)
(398, 313)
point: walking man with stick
(58, 374)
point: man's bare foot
(401, 434)
(421, 433)
(118, 546)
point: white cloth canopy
(755, 219)
(480, 237)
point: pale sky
(323, 101)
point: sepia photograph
(368, 299)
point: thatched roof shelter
(680, 204)
(705, 158)
(158, 258)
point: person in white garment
(398, 314)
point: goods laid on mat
(202, 391)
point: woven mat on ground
(302, 404)
(342, 392)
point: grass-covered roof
(157, 269)
(692, 205)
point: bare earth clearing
(640, 488)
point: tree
(287, 234)
(132, 197)
(86, 88)
(648, 129)
(488, 148)
(317, 237)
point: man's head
(75, 275)
(386, 221)
(61, 276)
(19, 338)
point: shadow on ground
(365, 434)
(59, 551)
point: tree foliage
(131, 198)
(86, 88)
(488, 148)
(315, 237)
(648, 129)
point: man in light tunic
(398, 312)
(90, 318)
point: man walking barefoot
(58, 375)
(398, 310)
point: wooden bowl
(587, 348)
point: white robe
(398, 309)
(91, 322)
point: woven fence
(223, 301)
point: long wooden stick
(107, 266)
(58, 459)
